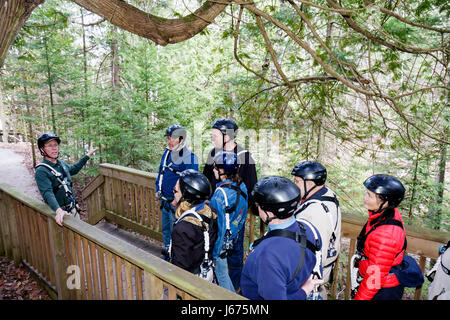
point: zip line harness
(355, 276)
(72, 207)
(228, 244)
(301, 239)
(207, 266)
(168, 167)
(332, 252)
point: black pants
(394, 293)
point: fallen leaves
(16, 283)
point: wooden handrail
(108, 268)
(126, 196)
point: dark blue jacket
(272, 264)
(177, 161)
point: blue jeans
(222, 274)
(235, 259)
(167, 221)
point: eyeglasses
(51, 146)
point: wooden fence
(80, 261)
(127, 197)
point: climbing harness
(206, 267)
(228, 244)
(355, 276)
(301, 239)
(72, 207)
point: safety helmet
(311, 170)
(387, 187)
(226, 126)
(175, 131)
(46, 137)
(278, 195)
(227, 161)
(194, 186)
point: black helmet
(43, 139)
(226, 126)
(227, 161)
(175, 131)
(278, 195)
(194, 186)
(311, 170)
(387, 187)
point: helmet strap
(44, 154)
(307, 192)
(269, 219)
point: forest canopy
(361, 86)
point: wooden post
(2, 227)
(58, 252)
(14, 236)
(418, 292)
(348, 285)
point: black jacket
(188, 245)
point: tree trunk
(13, 15)
(4, 125)
(30, 125)
(50, 86)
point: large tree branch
(160, 30)
(13, 15)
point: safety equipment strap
(230, 209)
(59, 177)
(302, 240)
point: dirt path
(15, 169)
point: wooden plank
(138, 279)
(94, 266)
(80, 263)
(128, 280)
(144, 179)
(58, 255)
(119, 278)
(2, 245)
(127, 223)
(108, 193)
(418, 292)
(13, 229)
(102, 271)
(110, 275)
(153, 287)
(93, 186)
(348, 285)
(87, 267)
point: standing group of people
(204, 214)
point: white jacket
(325, 215)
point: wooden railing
(126, 196)
(80, 261)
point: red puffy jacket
(383, 249)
